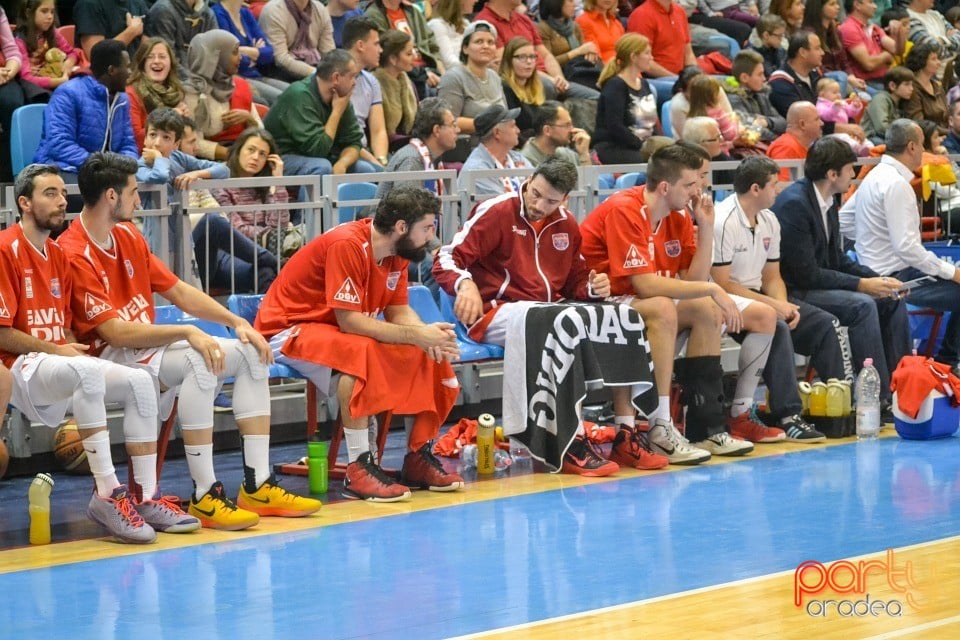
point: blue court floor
(441, 572)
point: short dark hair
(952, 15)
(405, 202)
(551, 9)
(745, 62)
(105, 54)
(392, 42)
(770, 22)
(561, 174)
(101, 171)
(893, 13)
(687, 74)
(166, 119)
(754, 170)
(897, 75)
(189, 122)
(429, 115)
(336, 61)
(356, 29)
(696, 149)
(919, 54)
(827, 153)
(25, 182)
(668, 163)
(799, 40)
(545, 115)
(929, 127)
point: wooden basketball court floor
(703, 552)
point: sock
(145, 474)
(256, 456)
(97, 448)
(624, 421)
(662, 411)
(358, 442)
(753, 356)
(200, 464)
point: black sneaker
(582, 460)
(798, 430)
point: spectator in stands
(555, 135)
(929, 100)
(179, 22)
(256, 53)
(521, 83)
(193, 369)
(98, 20)
(928, 26)
(883, 218)
(509, 24)
(627, 111)
(300, 32)
(600, 24)
(803, 128)
(434, 133)
(952, 141)
(362, 37)
(314, 124)
(751, 99)
(321, 317)
(82, 118)
(473, 86)
(884, 108)
(499, 136)
(398, 15)
(221, 102)
(11, 93)
(710, 14)
(447, 24)
(704, 132)
(340, 11)
(398, 93)
(820, 17)
(578, 58)
(897, 13)
(37, 34)
(664, 24)
(154, 83)
(791, 11)
(680, 102)
(769, 42)
(870, 50)
(708, 99)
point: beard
(117, 213)
(51, 223)
(408, 251)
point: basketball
(68, 449)
(4, 458)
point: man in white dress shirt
(883, 218)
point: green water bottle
(317, 466)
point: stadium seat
(26, 129)
(446, 311)
(665, 119)
(69, 32)
(421, 301)
(606, 182)
(632, 179)
(353, 191)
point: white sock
(200, 464)
(663, 410)
(97, 447)
(740, 406)
(145, 473)
(256, 455)
(358, 442)
(753, 357)
(624, 421)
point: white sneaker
(723, 444)
(664, 439)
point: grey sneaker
(723, 444)
(163, 513)
(117, 515)
(664, 439)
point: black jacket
(807, 259)
(787, 88)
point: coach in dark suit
(817, 271)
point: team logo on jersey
(94, 306)
(766, 244)
(392, 280)
(4, 312)
(634, 259)
(347, 293)
(129, 266)
(561, 241)
(55, 287)
(672, 247)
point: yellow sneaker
(216, 511)
(273, 500)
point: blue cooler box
(937, 419)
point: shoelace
(125, 506)
(432, 461)
(754, 416)
(171, 503)
(378, 473)
(217, 494)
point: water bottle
(39, 498)
(317, 470)
(485, 444)
(867, 392)
(804, 389)
(468, 458)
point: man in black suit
(817, 270)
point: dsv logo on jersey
(846, 577)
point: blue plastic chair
(421, 301)
(665, 119)
(170, 314)
(353, 191)
(606, 181)
(26, 129)
(631, 179)
(446, 310)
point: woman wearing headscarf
(221, 101)
(300, 32)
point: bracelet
(382, 160)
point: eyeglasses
(565, 125)
(529, 57)
(452, 125)
(778, 35)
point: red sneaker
(746, 427)
(422, 470)
(366, 481)
(630, 449)
(582, 460)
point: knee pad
(205, 379)
(90, 375)
(250, 362)
(144, 393)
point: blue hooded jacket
(76, 121)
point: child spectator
(885, 106)
(48, 59)
(708, 99)
(750, 100)
(680, 103)
(769, 42)
(832, 107)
